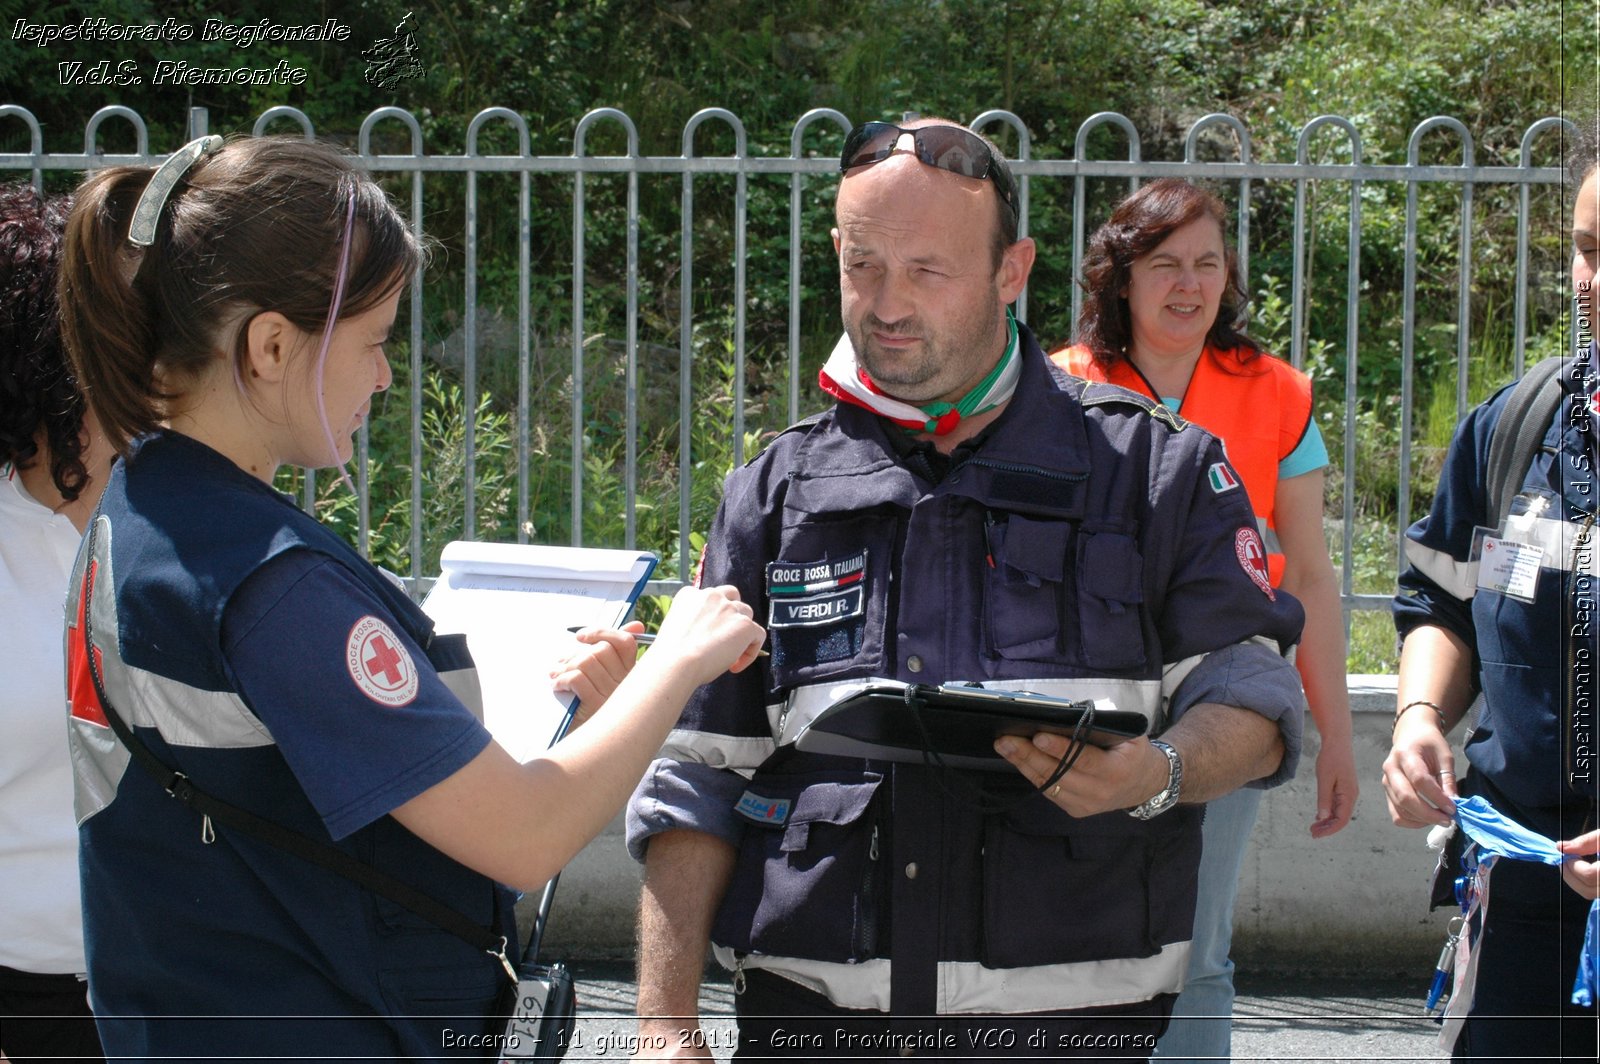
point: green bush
(1386, 64)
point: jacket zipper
(1016, 467)
(867, 939)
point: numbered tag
(522, 1033)
(542, 1020)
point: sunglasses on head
(952, 148)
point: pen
(643, 639)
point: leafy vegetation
(1496, 66)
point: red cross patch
(379, 663)
(1252, 555)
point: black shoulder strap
(803, 425)
(1524, 420)
(213, 809)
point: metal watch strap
(1167, 797)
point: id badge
(1505, 565)
(1508, 561)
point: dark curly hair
(1137, 227)
(37, 389)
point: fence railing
(809, 160)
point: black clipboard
(881, 722)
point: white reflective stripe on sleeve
(1458, 579)
(736, 753)
(1274, 646)
(1138, 696)
(1173, 675)
(967, 987)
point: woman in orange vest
(1163, 316)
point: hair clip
(142, 230)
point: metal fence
(814, 164)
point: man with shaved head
(964, 514)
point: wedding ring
(1055, 791)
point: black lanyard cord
(952, 782)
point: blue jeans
(1202, 1019)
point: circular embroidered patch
(1253, 559)
(379, 663)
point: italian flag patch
(1222, 478)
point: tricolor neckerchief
(844, 379)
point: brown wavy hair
(255, 226)
(38, 395)
(1137, 227)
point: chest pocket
(1027, 587)
(1059, 593)
(828, 598)
(1110, 607)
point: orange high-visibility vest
(1259, 407)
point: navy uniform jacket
(254, 651)
(1121, 567)
(1534, 742)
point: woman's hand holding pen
(708, 627)
(593, 671)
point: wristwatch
(1167, 797)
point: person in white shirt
(53, 465)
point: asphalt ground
(1276, 1018)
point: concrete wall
(1356, 902)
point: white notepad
(515, 602)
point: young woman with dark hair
(227, 315)
(1526, 651)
